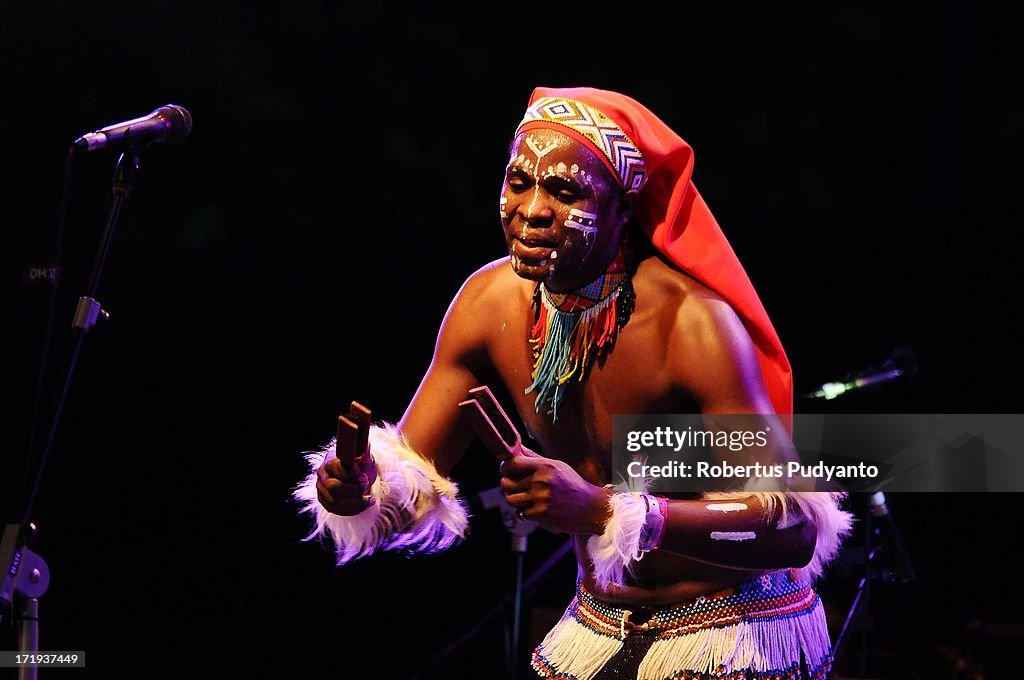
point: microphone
(901, 570)
(902, 363)
(168, 123)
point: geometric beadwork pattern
(593, 293)
(602, 132)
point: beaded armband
(654, 523)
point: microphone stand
(903, 572)
(859, 602)
(26, 576)
(520, 529)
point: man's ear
(627, 202)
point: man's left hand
(551, 493)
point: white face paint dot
(574, 168)
(554, 254)
(561, 168)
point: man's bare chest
(632, 378)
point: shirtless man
(568, 207)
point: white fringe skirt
(768, 627)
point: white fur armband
(614, 551)
(822, 508)
(416, 509)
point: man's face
(562, 210)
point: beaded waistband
(771, 596)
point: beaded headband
(622, 155)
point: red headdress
(646, 155)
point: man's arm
(717, 364)
(431, 427)
(433, 424)
(406, 503)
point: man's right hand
(346, 491)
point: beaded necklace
(573, 329)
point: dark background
(299, 249)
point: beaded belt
(773, 595)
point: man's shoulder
(712, 355)
(698, 322)
(490, 293)
(494, 282)
(686, 301)
(496, 272)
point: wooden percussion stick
(362, 417)
(347, 442)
